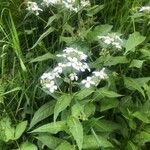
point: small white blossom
(88, 82)
(51, 86)
(101, 74)
(57, 71)
(50, 2)
(112, 39)
(145, 9)
(73, 76)
(85, 3)
(61, 55)
(33, 7)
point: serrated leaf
(28, 146)
(84, 93)
(107, 93)
(20, 128)
(76, 129)
(108, 104)
(90, 142)
(132, 84)
(45, 34)
(52, 128)
(141, 116)
(116, 60)
(43, 112)
(50, 141)
(43, 58)
(65, 146)
(134, 40)
(62, 103)
(102, 125)
(136, 63)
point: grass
(21, 94)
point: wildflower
(57, 71)
(145, 9)
(112, 40)
(73, 76)
(85, 3)
(33, 7)
(50, 2)
(88, 82)
(101, 74)
(51, 86)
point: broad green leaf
(84, 93)
(145, 53)
(28, 146)
(108, 103)
(65, 146)
(7, 132)
(134, 40)
(116, 60)
(45, 34)
(52, 128)
(90, 142)
(20, 128)
(107, 93)
(50, 141)
(99, 31)
(136, 63)
(141, 116)
(133, 84)
(102, 125)
(131, 146)
(142, 137)
(43, 58)
(43, 112)
(89, 109)
(76, 129)
(61, 104)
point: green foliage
(114, 115)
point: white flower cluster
(73, 60)
(112, 40)
(33, 7)
(71, 5)
(95, 78)
(145, 9)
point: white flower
(85, 3)
(61, 55)
(62, 65)
(50, 2)
(51, 86)
(145, 9)
(33, 7)
(73, 76)
(101, 74)
(88, 82)
(57, 71)
(48, 76)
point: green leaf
(134, 40)
(89, 109)
(43, 58)
(116, 60)
(136, 63)
(13, 90)
(61, 104)
(65, 146)
(20, 128)
(141, 116)
(131, 146)
(133, 84)
(108, 103)
(90, 142)
(45, 34)
(99, 31)
(84, 93)
(141, 138)
(50, 141)
(107, 93)
(76, 129)
(52, 128)
(28, 146)
(43, 112)
(102, 125)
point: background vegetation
(114, 116)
